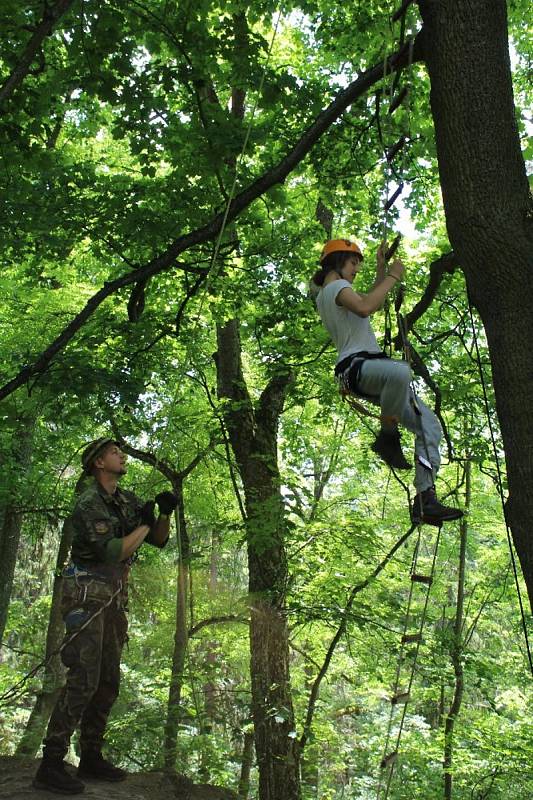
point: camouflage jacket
(99, 519)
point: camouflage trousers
(92, 659)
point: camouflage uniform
(90, 581)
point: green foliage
(129, 138)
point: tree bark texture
(10, 518)
(489, 215)
(246, 766)
(253, 435)
(54, 675)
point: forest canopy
(170, 173)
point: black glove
(147, 513)
(167, 502)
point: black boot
(53, 776)
(427, 509)
(94, 765)
(388, 446)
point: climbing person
(362, 369)
(109, 524)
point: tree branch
(210, 230)
(204, 623)
(446, 263)
(50, 17)
(272, 399)
(340, 632)
(174, 475)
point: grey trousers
(390, 382)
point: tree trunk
(489, 215)
(309, 757)
(210, 710)
(10, 518)
(54, 677)
(456, 652)
(253, 436)
(181, 638)
(246, 766)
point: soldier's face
(112, 460)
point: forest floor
(16, 775)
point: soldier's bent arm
(160, 531)
(132, 541)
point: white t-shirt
(350, 333)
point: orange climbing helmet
(340, 246)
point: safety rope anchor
(427, 580)
(389, 760)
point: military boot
(53, 776)
(94, 765)
(388, 446)
(427, 509)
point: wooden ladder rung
(425, 579)
(388, 760)
(411, 638)
(400, 699)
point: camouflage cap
(94, 449)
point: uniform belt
(96, 572)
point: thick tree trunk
(253, 436)
(210, 712)
(489, 214)
(10, 517)
(181, 638)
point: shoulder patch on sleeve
(101, 526)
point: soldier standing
(109, 525)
